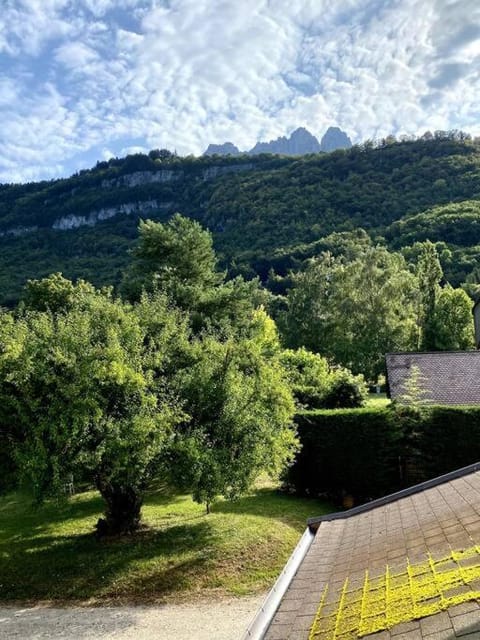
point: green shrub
(448, 438)
(309, 376)
(345, 390)
(317, 386)
(350, 451)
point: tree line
(357, 301)
(270, 212)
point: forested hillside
(264, 211)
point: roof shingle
(447, 377)
(418, 528)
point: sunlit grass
(377, 400)
(50, 553)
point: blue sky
(84, 80)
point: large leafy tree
(241, 411)
(117, 393)
(176, 257)
(444, 313)
(353, 311)
(78, 396)
(452, 320)
(429, 273)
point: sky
(86, 80)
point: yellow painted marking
(420, 590)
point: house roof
(405, 566)
(446, 377)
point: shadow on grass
(149, 565)
(20, 518)
(270, 503)
(51, 553)
(20, 515)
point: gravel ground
(225, 619)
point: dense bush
(448, 438)
(345, 391)
(315, 385)
(309, 376)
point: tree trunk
(123, 509)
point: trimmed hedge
(448, 439)
(371, 452)
(346, 451)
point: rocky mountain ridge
(265, 211)
(300, 142)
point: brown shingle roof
(425, 524)
(447, 377)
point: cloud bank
(87, 80)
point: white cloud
(132, 150)
(26, 25)
(183, 73)
(75, 55)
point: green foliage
(352, 451)
(264, 212)
(345, 391)
(313, 196)
(190, 374)
(448, 438)
(112, 393)
(444, 313)
(429, 273)
(414, 393)
(133, 387)
(178, 260)
(455, 223)
(226, 309)
(241, 412)
(316, 385)
(453, 320)
(78, 397)
(363, 302)
(366, 452)
(353, 311)
(308, 375)
(56, 294)
(176, 257)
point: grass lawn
(377, 400)
(50, 553)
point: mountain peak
(300, 142)
(226, 149)
(335, 138)
(301, 132)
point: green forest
(266, 213)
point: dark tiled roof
(431, 523)
(446, 377)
